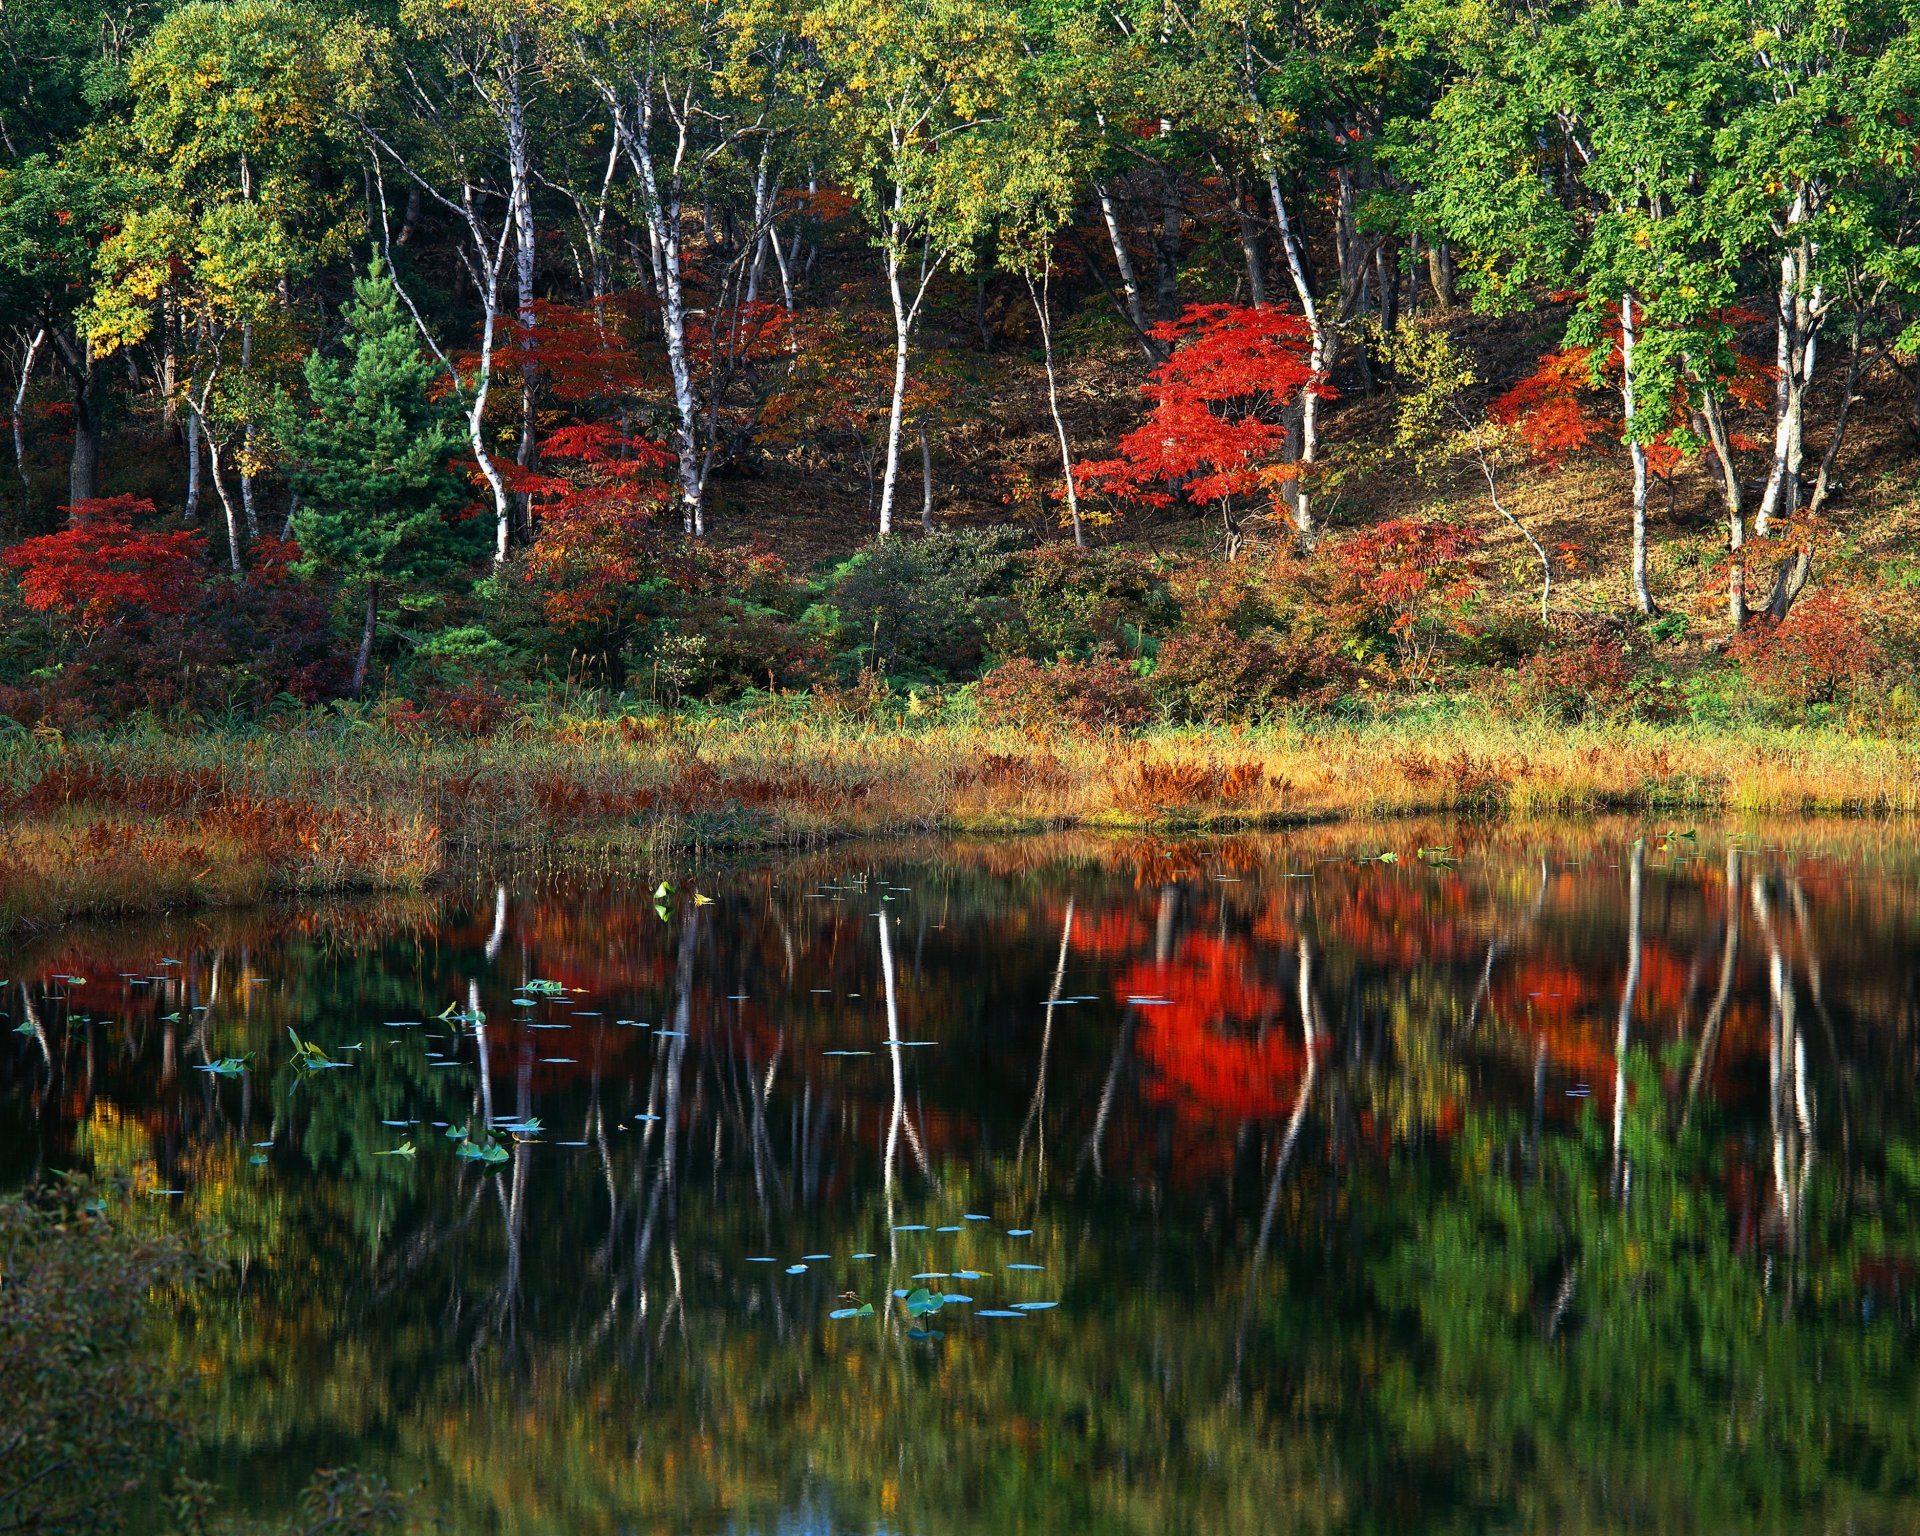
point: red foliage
(1225, 1047)
(1816, 655)
(102, 568)
(1097, 694)
(1547, 407)
(1391, 572)
(1217, 425)
(597, 501)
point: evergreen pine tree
(378, 502)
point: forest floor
(146, 821)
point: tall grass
(142, 819)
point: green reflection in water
(1567, 1183)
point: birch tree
(909, 89)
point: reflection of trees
(1336, 1247)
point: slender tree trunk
(246, 442)
(1303, 429)
(364, 658)
(902, 337)
(83, 472)
(226, 503)
(1123, 260)
(1044, 309)
(926, 477)
(1715, 421)
(20, 402)
(1440, 273)
(1799, 309)
(521, 190)
(1823, 481)
(1637, 452)
(1253, 245)
(190, 512)
(663, 222)
(1166, 248)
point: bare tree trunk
(1303, 429)
(902, 335)
(663, 223)
(926, 477)
(1642, 595)
(1253, 245)
(521, 192)
(1044, 309)
(83, 471)
(246, 441)
(1123, 260)
(20, 402)
(1166, 247)
(1715, 421)
(1823, 481)
(1440, 273)
(365, 656)
(1799, 310)
(190, 512)
(226, 503)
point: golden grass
(149, 822)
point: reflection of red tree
(1111, 933)
(1220, 1050)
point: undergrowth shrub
(1069, 601)
(1100, 693)
(1822, 653)
(1587, 674)
(1216, 677)
(921, 606)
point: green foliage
(920, 607)
(92, 1420)
(378, 502)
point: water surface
(1520, 1179)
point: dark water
(1545, 1184)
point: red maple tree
(1219, 424)
(102, 567)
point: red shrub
(1819, 654)
(101, 567)
(1098, 694)
(1570, 678)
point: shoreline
(142, 822)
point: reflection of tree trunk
(1789, 1110)
(1036, 1110)
(1309, 1010)
(1499, 945)
(480, 1042)
(1816, 989)
(1723, 994)
(1636, 895)
(498, 936)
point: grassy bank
(146, 821)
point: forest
(451, 368)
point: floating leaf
(405, 1149)
(796, 1269)
(997, 1312)
(1034, 1306)
(1020, 1232)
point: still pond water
(1527, 1179)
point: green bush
(921, 606)
(1069, 602)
